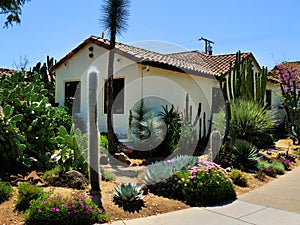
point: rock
(70, 179)
(138, 162)
(76, 180)
(123, 158)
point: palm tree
(114, 19)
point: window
(72, 96)
(268, 99)
(217, 99)
(118, 99)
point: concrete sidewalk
(282, 193)
(276, 203)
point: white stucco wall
(166, 86)
(276, 101)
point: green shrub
(75, 209)
(262, 140)
(26, 193)
(249, 118)
(260, 174)
(279, 167)
(285, 162)
(267, 168)
(239, 178)
(106, 175)
(5, 191)
(204, 184)
(104, 141)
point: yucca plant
(127, 193)
(249, 118)
(243, 155)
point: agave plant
(158, 172)
(159, 176)
(182, 162)
(163, 170)
(127, 193)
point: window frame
(76, 95)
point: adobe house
(161, 79)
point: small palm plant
(129, 196)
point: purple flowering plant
(290, 87)
(74, 209)
(285, 162)
(206, 183)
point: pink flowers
(287, 76)
(54, 209)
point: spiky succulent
(161, 171)
(128, 192)
(182, 162)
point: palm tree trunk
(110, 94)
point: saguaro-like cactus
(201, 119)
(242, 82)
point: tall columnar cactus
(215, 143)
(242, 82)
(189, 125)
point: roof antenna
(208, 48)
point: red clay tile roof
(218, 64)
(6, 71)
(193, 62)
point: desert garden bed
(152, 204)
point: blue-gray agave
(128, 192)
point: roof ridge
(227, 54)
(120, 43)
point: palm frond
(114, 16)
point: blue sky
(268, 28)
